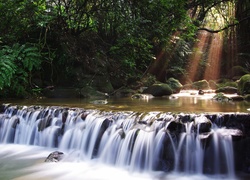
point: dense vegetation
(70, 43)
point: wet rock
(159, 90)
(175, 126)
(186, 118)
(237, 98)
(141, 96)
(221, 97)
(227, 90)
(45, 122)
(201, 92)
(175, 85)
(54, 156)
(64, 116)
(105, 101)
(84, 115)
(15, 122)
(202, 84)
(202, 124)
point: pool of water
(186, 102)
(19, 162)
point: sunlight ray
(212, 71)
(196, 56)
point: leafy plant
(16, 66)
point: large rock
(175, 85)
(227, 90)
(159, 90)
(197, 85)
(221, 97)
(244, 85)
(202, 84)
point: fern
(7, 68)
(16, 64)
(32, 58)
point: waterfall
(155, 141)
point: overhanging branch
(226, 27)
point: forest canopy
(69, 42)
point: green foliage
(7, 69)
(119, 37)
(16, 65)
(244, 85)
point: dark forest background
(109, 44)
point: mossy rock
(227, 90)
(247, 97)
(159, 90)
(174, 84)
(221, 97)
(213, 84)
(202, 84)
(226, 82)
(237, 98)
(244, 85)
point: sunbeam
(196, 56)
(212, 71)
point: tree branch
(226, 27)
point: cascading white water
(135, 142)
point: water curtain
(154, 141)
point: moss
(221, 97)
(244, 85)
(202, 84)
(174, 84)
(227, 82)
(160, 89)
(227, 90)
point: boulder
(159, 90)
(54, 156)
(175, 85)
(202, 84)
(221, 97)
(237, 98)
(227, 90)
(202, 124)
(244, 85)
